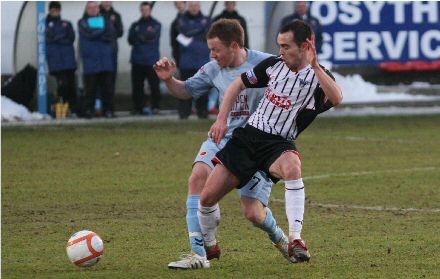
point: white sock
(209, 218)
(295, 199)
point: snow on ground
(12, 111)
(356, 90)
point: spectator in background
(194, 53)
(231, 13)
(96, 34)
(144, 37)
(302, 12)
(61, 55)
(106, 9)
(181, 9)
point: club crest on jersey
(303, 83)
(251, 77)
(203, 153)
(202, 70)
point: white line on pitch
(369, 208)
(360, 173)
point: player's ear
(305, 46)
(235, 45)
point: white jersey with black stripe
(292, 99)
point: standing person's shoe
(109, 114)
(147, 111)
(190, 261)
(155, 111)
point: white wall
(9, 14)
(163, 11)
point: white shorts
(259, 187)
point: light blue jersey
(211, 75)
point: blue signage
(41, 57)
(371, 32)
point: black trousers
(66, 87)
(185, 106)
(138, 75)
(103, 81)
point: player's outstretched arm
(220, 126)
(329, 86)
(165, 70)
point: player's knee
(207, 200)
(196, 182)
(254, 217)
(291, 169)
(254, 214)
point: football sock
(270, 226)
(209, 218)
(195, 233)
(295, 199)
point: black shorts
(250, 150)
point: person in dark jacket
(107, 10)
(230, 12)
(194, 53)
(144, 37)
(60, 54)
(96, 37)
(181, 9)
(302, 13)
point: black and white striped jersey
(292, 99)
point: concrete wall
(163, 11)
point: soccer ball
(85, 248)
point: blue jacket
(196, 54)
(60, 36)
(96, 45)
(144, 36)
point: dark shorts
(250, 150)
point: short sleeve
(201, 83)
(257, 77)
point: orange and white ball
(85, 248)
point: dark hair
(54, 5)
(228, 31)
(300, 29)
(145, 4)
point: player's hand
(218, 130)
(312, 56)
(165, 68)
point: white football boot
(283, 247)
(190, 261)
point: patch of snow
(356, 90)
(12, 111)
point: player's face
(221, 53)
(293, 55)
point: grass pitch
(128, 183)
